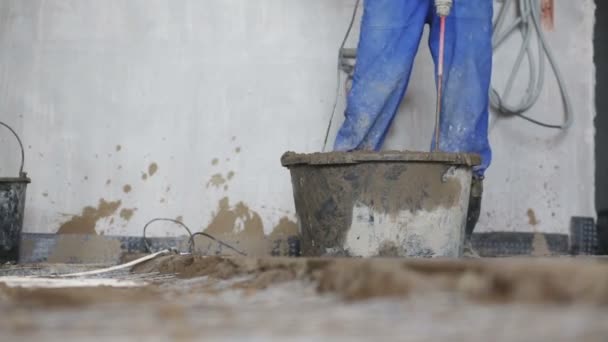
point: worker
(390, 34)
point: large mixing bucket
(12, 205)
(381, 204)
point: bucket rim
(337, 158)
(15, 180)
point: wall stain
(86, 178)
(225, 187)
(237, 150)
(144, 176)
(180, 218)
(45, 194)
(230, 175)
(532, 217)
(127, 213)
(108, 182)
(162, 200)
(243, 228)
(215, 161)
(92, 249)
(119, 167)
(237, 225)
(238, 220)
(127, 188)
(285, 228)
(540, 246)
(152, 169)
(280, 235)
(216, 180)
(118, 148)
(86, 221)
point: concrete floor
(283, 299)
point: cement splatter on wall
(238, 220)
(215, 161)
(243, 228)
(86, 221)
(127, 213)
(108, 182)
(93, 249)
(152, 169)
(144, 176)
(237, 225)
(284, 229)
(118, 148)
(281, 234)
(532, 217)
(127, 188)
(216, 180)
(230, 175)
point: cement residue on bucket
(370, 204)
(408, 233)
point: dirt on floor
(500, 280)
(183, 297)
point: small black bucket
(12, 205)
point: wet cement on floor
(216, 298)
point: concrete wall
(208, 94)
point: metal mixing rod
(443, 10)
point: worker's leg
(390, 35)
(467, 73)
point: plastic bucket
(369, 204)
(12, 205)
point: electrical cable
(216, 240)
(527, 22)
(338, 78)
(191, 242)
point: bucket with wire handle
(12, 205)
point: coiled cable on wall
(527, 22)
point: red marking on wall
(547, 14)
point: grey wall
(180, 83)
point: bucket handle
(21, 174)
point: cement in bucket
(12, 205)
(365, 204)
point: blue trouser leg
(468, 68)
(390, 35)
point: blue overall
(390, 34)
